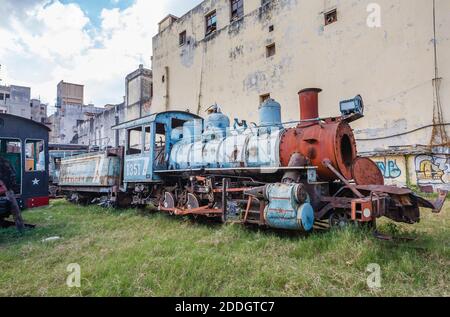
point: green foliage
(136, 253)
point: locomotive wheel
(339, 220)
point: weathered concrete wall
(97, 131)
(65, 120)
(38, 111)
(392, 66)
(138, 93)
(15, 100)
(69, 94)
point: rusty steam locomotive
(272, 174)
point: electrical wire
(406, 133)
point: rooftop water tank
(270, 114)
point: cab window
(134, 141)
(147, 141)
(35, 156)
(160, 145)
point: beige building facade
(138, 93)
(394, 53)
(69, 94)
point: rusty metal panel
(366, 172)
(92, 169)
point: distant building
(96, 131)
(15, 100)
(67, 118)
(138, 93)
(38, 111)
(70, 110)
(69, 94)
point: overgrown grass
(131, 253)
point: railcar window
(176, 123)
(11, 150)
(160, 144)
(147, 144)
(134, 141)
(35, 156)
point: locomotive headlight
(367, 213)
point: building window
(271, 28)
(211, 23)
(330, 17)
(7, 96)
(270, 50)
(2, 96)
(237, 9)
(182, 40)
(263, 98)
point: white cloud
(51, 41)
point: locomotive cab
(24, 145)
(149, 141)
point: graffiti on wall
(389, 168)
(433, 169)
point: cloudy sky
(92, 42)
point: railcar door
(35, 173)
(137, 158)
(160, 149)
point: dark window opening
(270, 50)
(347, 150)
(182, 40)
(11, 150)
(177, 123)
(271, 28)
(2, 96)
(237, 9)
(160, 144)
(211, 23)
(263, 98)
(7, 96)
(147, 140)
(330, 17)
